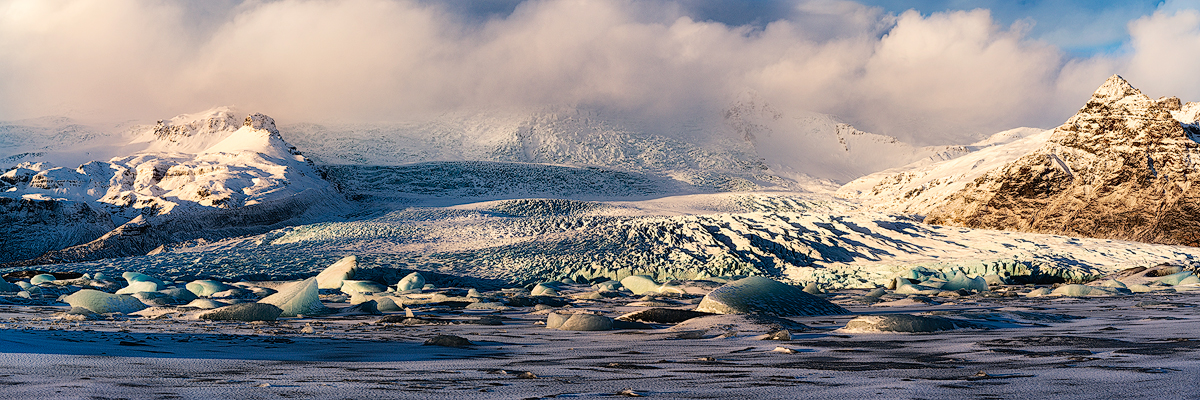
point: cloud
(943, 77)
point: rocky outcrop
(1120, 168)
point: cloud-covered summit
(930, 78)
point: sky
(925, 71)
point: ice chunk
(139, 286)
(103, 303)
(1189, 280)
(1081, 290)
(205, 288)
(487, 305)
(7, 287)
(910, 288)
(812, 288)
(578, 322)
(205, 304)
(1175, 278)
(299, 298)
(639, 284)
(140, 277)
(961, 281)
(904, 323)
(411, 282)
(472, 292)
(1113, 283)
(1039, 292)
(607, 286)
(995, 280)
(41, 278)
(542, 289)
(759, 295)
(181, 296)
(351, 287)
(1136, 288)
(387, 304)
(877, 293)
(157, 299)
(244, 312)
(332, 277)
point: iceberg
(411, 282)
(904, 323)
(759, 295)
(41, 278)
(103, 303)
(206, 288)
(640, 284)
(332, 277)
(300, 298)
(139, 286)
(351, 287)
(578, 322)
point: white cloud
(938, 78)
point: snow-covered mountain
(203, 176)
(919, 187)
(749, 145)
(1120, 168)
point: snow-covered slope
(918, 187)
(198, 176)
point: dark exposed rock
(663, 315)
(448, 341)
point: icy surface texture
(103, 303)
(759, 295)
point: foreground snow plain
(1140, 346)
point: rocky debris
(759, 295)
(1120, 168)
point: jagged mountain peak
(1115, 89)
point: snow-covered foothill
(412, 281)
(299, 298)
(103, 303)
(332, 276)
(760, 295)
